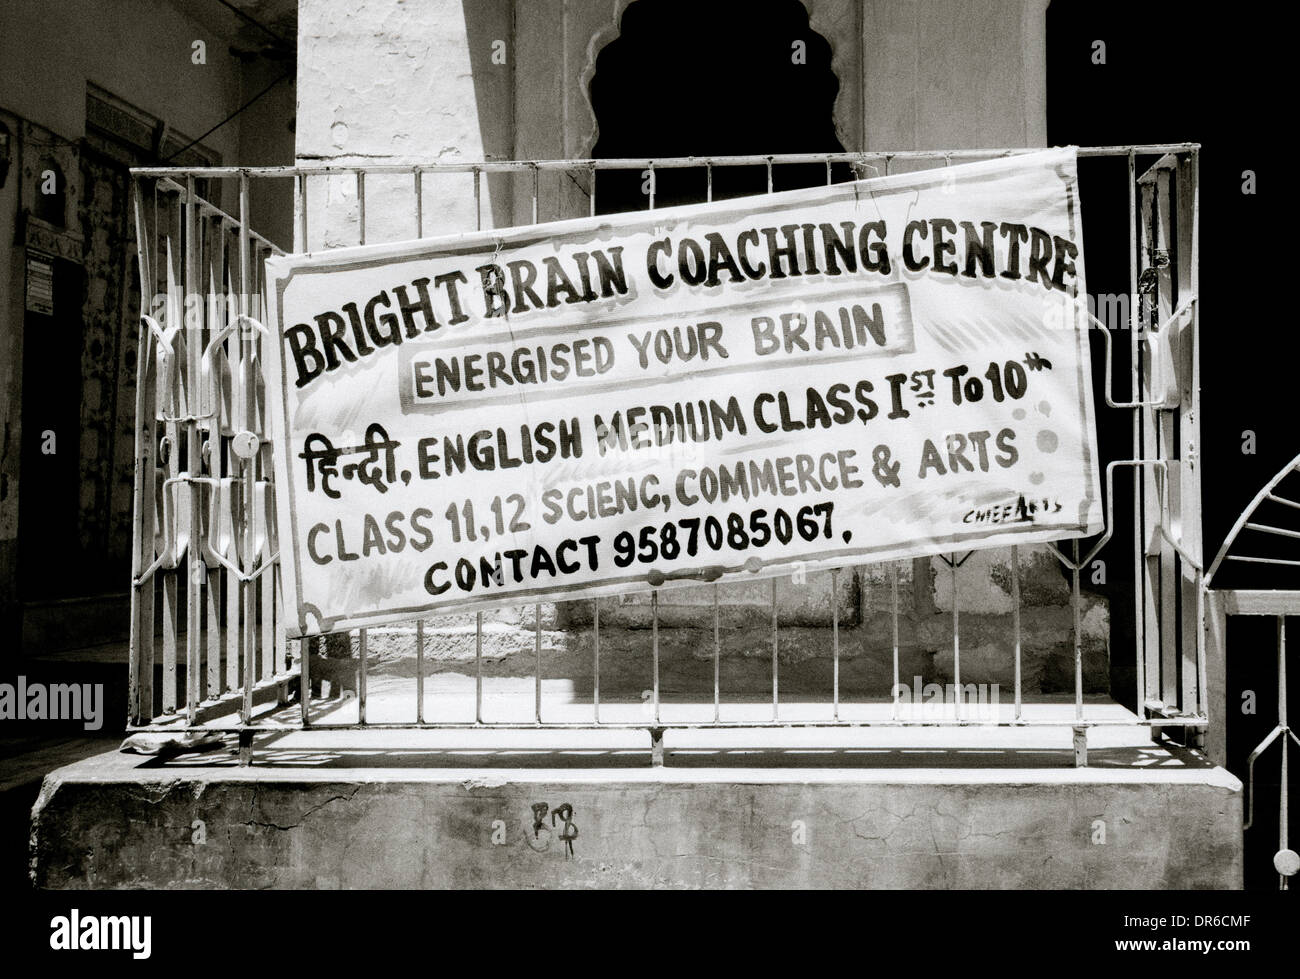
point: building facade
(89, 90)
(404, 84)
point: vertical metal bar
(1284, 785)
(149, 592)
(144, 243)
(1202, 656)
(717, 656)
(654, 643)
(1187, 478)
(143, 550)
(478, 667)
(835, 644)
(363, 648)
(302, 213)
(361, 207)
(419, 667)
(595, 643)
(536, 178)
(234, 637)
(893, 589)
(1080, 747)
(304, 680)
(230, 486)
(1146, 488)
(261, 462)
(537, 655)
(776, 699)
(419, 202)
(708, 173)
(828, 173)
(1216, 707)
(1078, 639)
(478, 199)
(247, 415)
(956, 639)
(280, 639)
(197, 571)
(1015, 615)
(1167, 447)
(653, 188)
(172, 403)
(214, 293)
(591, 198)
(266, 591)
(769, 175)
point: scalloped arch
(826, 17)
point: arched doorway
(724, 78)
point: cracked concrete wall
(854, 830)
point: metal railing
(204, 486)
(1270, 517)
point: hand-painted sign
(858, 372)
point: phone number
(732, 531)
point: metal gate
(1270, 518)
(204, 522)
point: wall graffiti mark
(543, 834)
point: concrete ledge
(111, 822)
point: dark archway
(722, 78)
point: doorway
(749, 77)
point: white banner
(860, 372)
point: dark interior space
(738, 82)
(1171, 75)
(50, 549)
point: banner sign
(859, 372)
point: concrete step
(304, 817)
